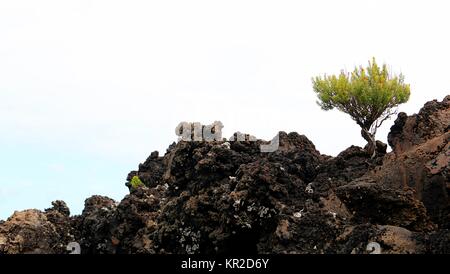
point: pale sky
(89, 88)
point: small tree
(369, 95)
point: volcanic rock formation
(227, 197)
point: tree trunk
(371, 142)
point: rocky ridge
(225, 197)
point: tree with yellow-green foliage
(369, 95)
(136, 182)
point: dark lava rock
(421, 158)
(432, 120)
(377, 204)
(228, 197)
(94, 225)
(60, 207)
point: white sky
(114, 78)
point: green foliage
(136, 182)
(369, 95)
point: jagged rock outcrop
(432, 121)
(421, 158)
(35, 232)
(94, 225)
(229, 197)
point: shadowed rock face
(421, 158)
(228, 197)
(433, 120)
